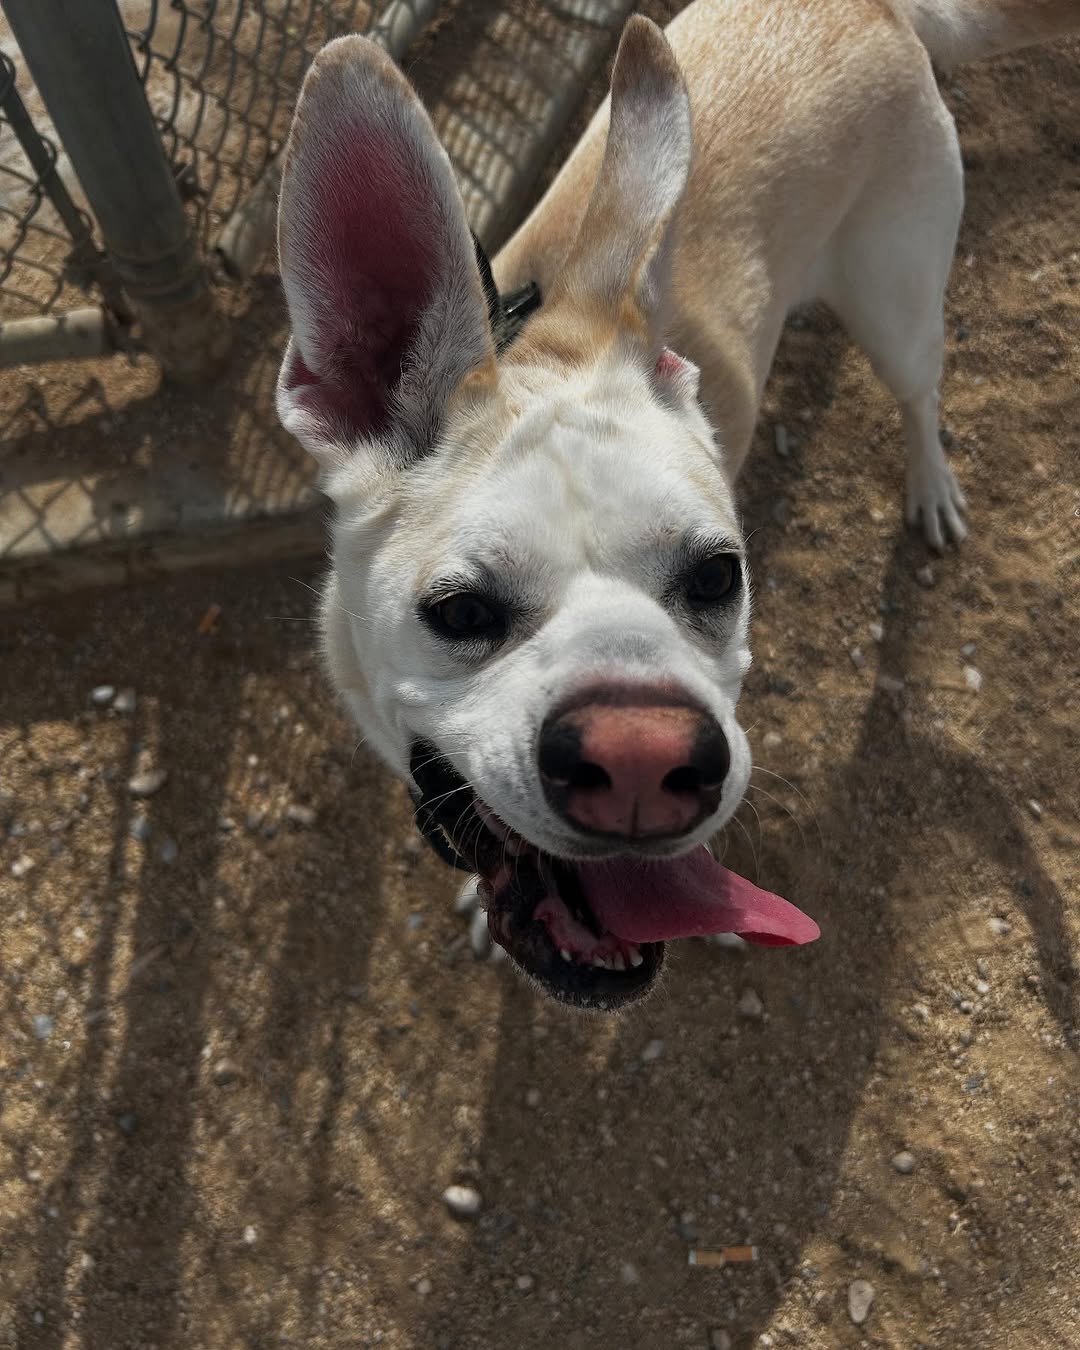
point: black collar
(506, 313)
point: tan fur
(798, 110)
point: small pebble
(251, 1236)
(771, 740)
(39, 1318)
(1000, 927)
(532, 1098)
(904, 1162)
(22, 865)
(860, 1299)
(303, 817)
(424, 1287)
(921, 1011)
(1035, 808)
(967, 651)
(925, 576)
(463, 1202)
(750, 1005)
(125, 702)
(982, 968)
(140, 828)
(780, 440)
(877, 631)
(127, 1123)
(973, 679)
(226, 1072)
(43, 1026)
(719, 1339)
(168, 851)
(253, 821)
(629, 1273)
(147, 783)
(858, 658)
(103, 695)
(524, 1284)
(889, 684)
(652, 1051)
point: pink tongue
(688, 897)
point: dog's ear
(388, 312)
(621, 259)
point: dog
(538, 607)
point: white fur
(828, 167)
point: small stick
(208, 622)
(725, 1256)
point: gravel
(103, 695)
(973, 679)
(303, 817)
(652, 1051)
(925, 576)
(148, 782)
(43, 1026)
(463, 1202)
(750, 1006)
(141, 828)
(1035, 808)
(904, 1162)
(860, 1299)
(125, 702)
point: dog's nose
(635, 770)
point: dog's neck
(508, 313)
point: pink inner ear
(669, 365)
(367, 251)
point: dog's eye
(713, 581)
(467, 616)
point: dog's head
(538, 607)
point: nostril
(683, 780)
(711, 758)
(560, 753)
(589, 777)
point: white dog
(538, 608)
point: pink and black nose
(633, 768)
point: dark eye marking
(706, 576)
(713, 582)
(467, 616)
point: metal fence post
(81, 61)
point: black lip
(445, 807)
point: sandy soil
(246, 1047)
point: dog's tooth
(600, 963)
(618, 962)
(565, 954)
(636, 958)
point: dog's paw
(468, 904)
(934, 497)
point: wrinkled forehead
(584, 474)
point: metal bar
(57, 337)
(86, 257)
(248, 234)
(78, 54)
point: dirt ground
(246, 1045)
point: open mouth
(590, 934)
